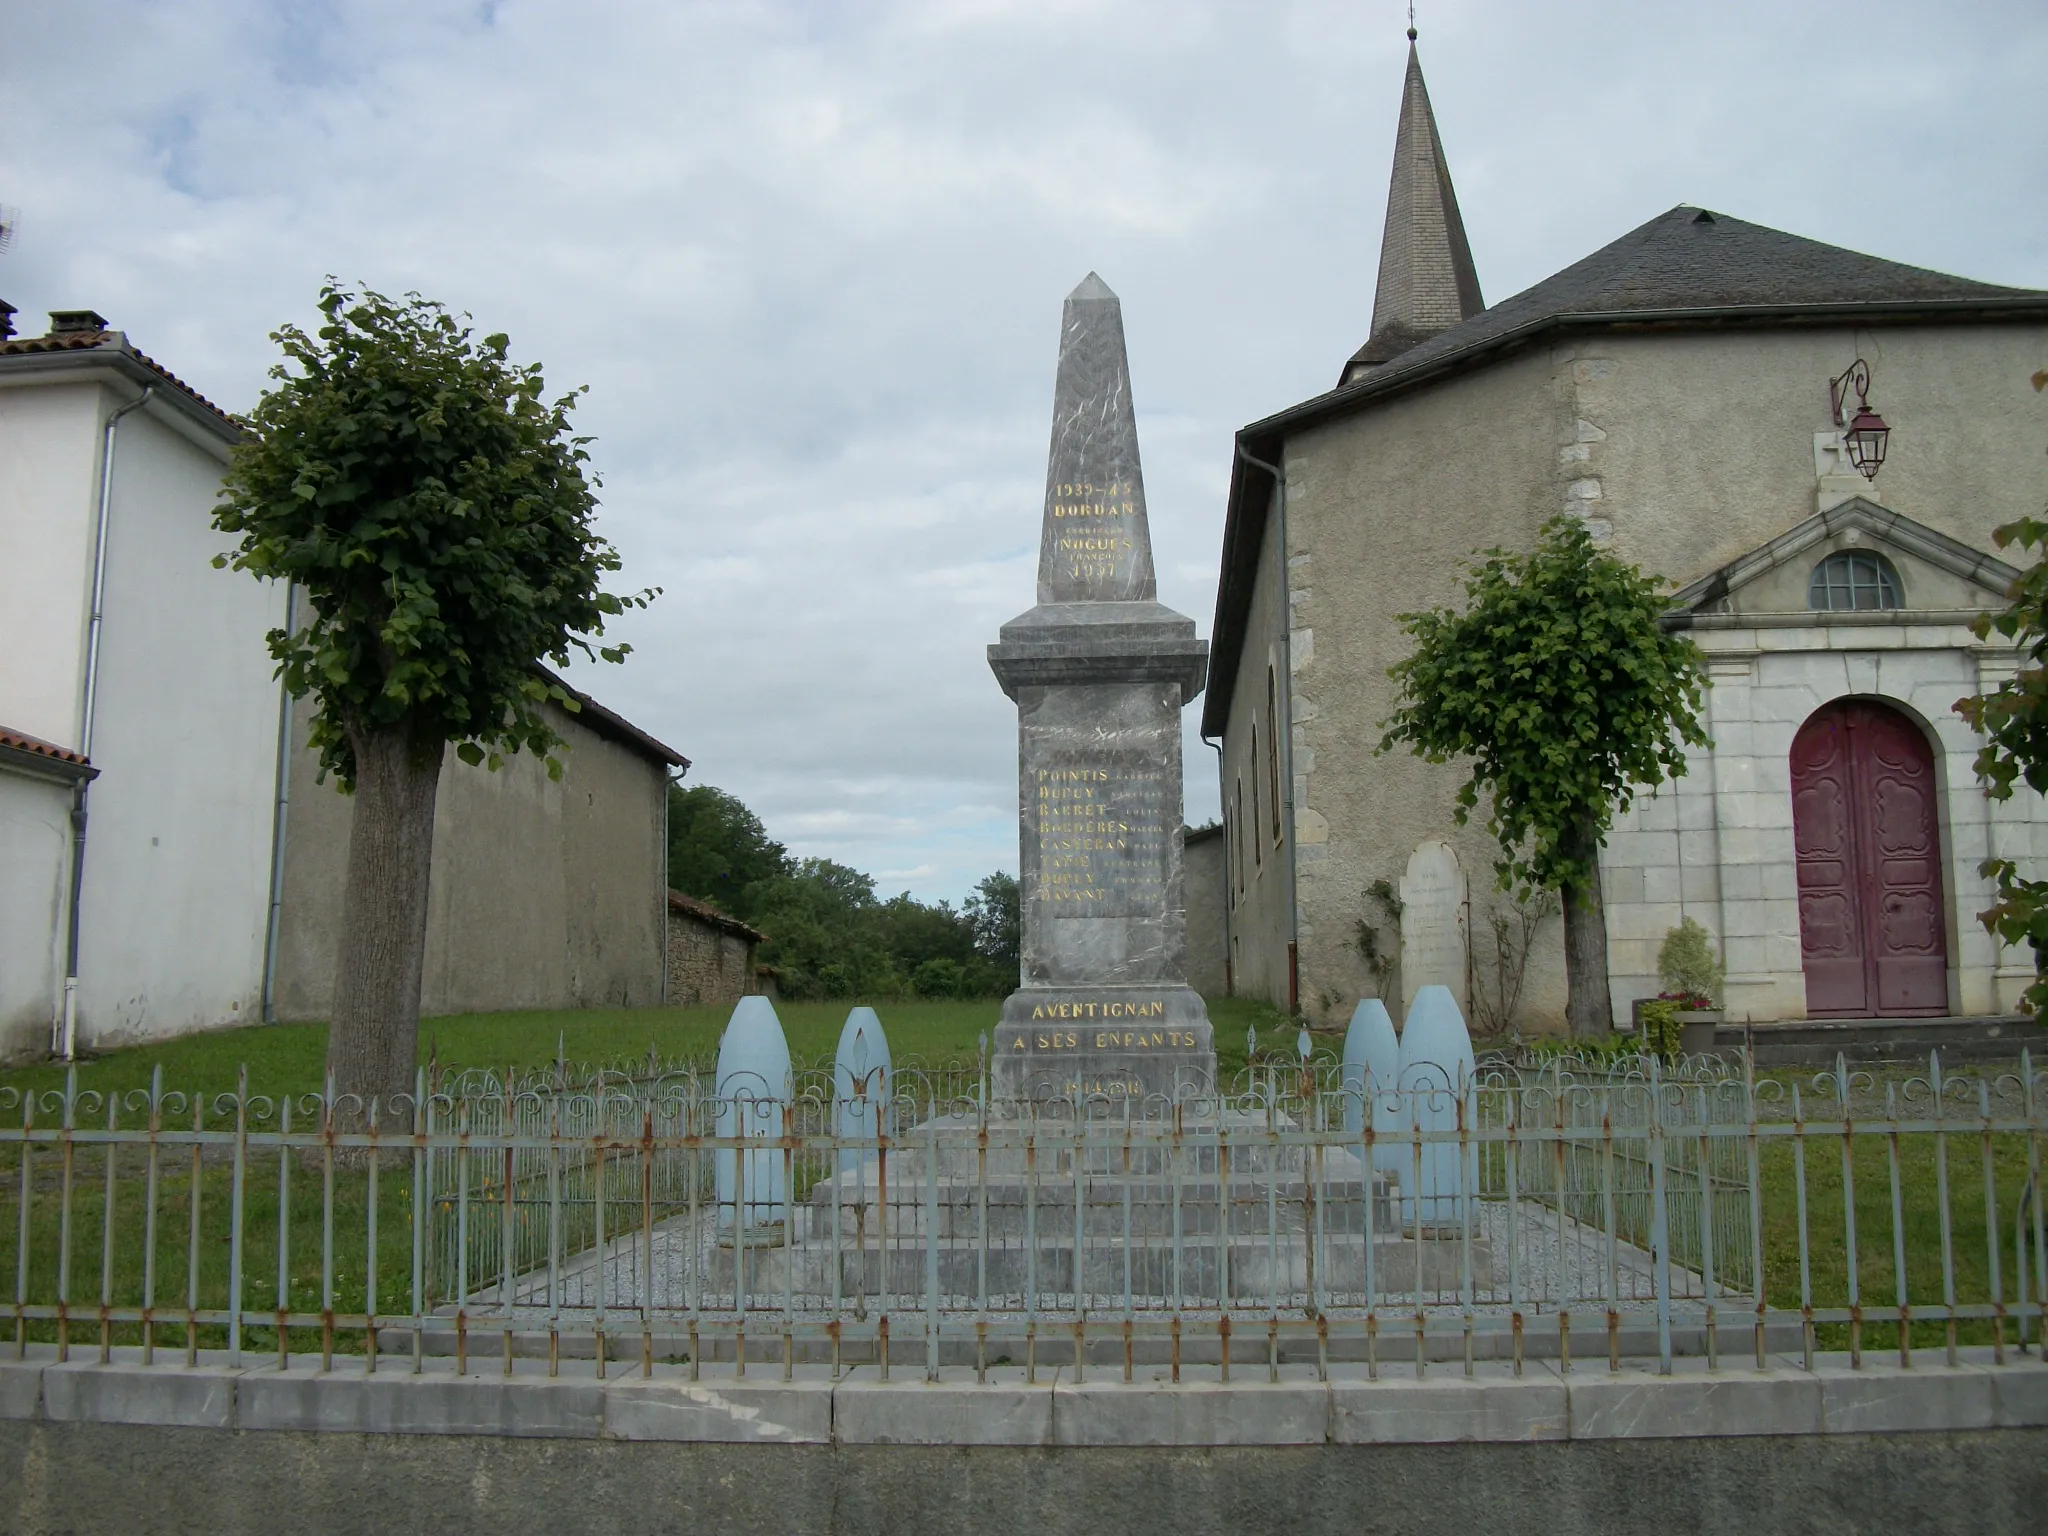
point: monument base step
(1259, 1268)
(1817, 1042)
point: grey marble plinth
(1100, 671)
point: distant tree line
(829, 934)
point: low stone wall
(262, 1449)
(710, 955)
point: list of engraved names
(1102, 830)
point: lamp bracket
(1857, 377)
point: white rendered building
(140, 722)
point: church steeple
(1427, 281)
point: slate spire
(1427, 280)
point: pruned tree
(432, 505)
(1561, 687)
(2013, 719)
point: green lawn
(284, 1057)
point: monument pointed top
(1092, 289)
(1096, 545)
(1427, 282)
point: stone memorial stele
(1100, 671)
(1433, 936)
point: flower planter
(1696, 1030)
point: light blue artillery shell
(1372, 1056)
(754, 1087)
(862, 1082)
(1436, 1077)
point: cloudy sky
(809, 259)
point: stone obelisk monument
(1100, 672)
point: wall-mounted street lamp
(1864, 434)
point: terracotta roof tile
(21, 744)
(87, 341)
(704, 912)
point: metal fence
(1532, 1209)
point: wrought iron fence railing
(640, 1216)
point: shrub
(937, 978)
(1661, 1029)
(1689, 968)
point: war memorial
(1100, 671)
(1361, 1284)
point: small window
(1273, 751)
(1239, 834)
(1855, 581)
(1257, 856)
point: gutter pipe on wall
(67, 1039)
(1286, 670)
(282, 801)
(1229, 960)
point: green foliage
(1661, 1027)
(718, 851)
(1496, 999)
(433, 505)
(995, 913)
(1563, 690)
(1597, 1050)
(2013, 720)
(829, 935)
(1687, 963)
(1382, 962)
(937, 978)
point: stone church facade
(1672, 389)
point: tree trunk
(374, 1040)
(1589, 1009)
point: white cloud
(809, 258)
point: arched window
(1257, 819)
(1273, 749)
(1854, 581)
(1240, 835)
(1229, 854)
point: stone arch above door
(1873, 920)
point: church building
(1707, 394)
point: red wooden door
(1872, 927)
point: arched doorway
(1872, 925)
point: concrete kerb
(723, 1408)
(394, 1400)
(1636, 1402)
(125, 1391)
(909, 1410)
(21, 1383)
(1445, 1407)
(1885, 1398)
(1295, 1410)
(1492, 1404)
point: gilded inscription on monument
(1092, 538)
(1102, 837)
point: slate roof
(1427, 282)
(1688, 269)
(1694, 259)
